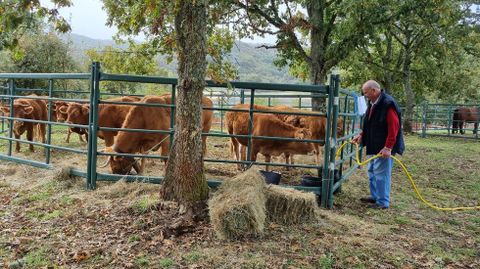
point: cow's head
(19, 127)
(293, 120)
(21, 109)
(340, 131)
(77, 113)
(121, 165)
(302, 133)
(60, 108)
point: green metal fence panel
(93, 127)
(250, 92)
(438, 120)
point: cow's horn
(107, 162)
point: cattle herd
(122, 113)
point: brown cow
(150, 118)
(109, 115)
(464, 115)
(267, 125)
(58, 107)
(28, 109)
(238, 121)
(316, 125)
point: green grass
(408, 235)
(192, 257)
(142, 261)
(166, 263)
(37, 258)
(145, 204)
(326, 261)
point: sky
(87, 18)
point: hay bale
(237, 209)
(289, 206)
(62, 173)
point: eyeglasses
(367, 91)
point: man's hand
(385, 152)
(356, 139)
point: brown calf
(150, 118)
(267, 125)
(109, 115)
(58, 107)
(28, 109)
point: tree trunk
(409, 94)
(387, 66)
(318, 72)
(184, 177)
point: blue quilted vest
(375, 129)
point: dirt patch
(48, 220)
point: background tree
(417, 55)
(135, 60)
(18, 16)
(39, 52)
(312, 36)
(186, 28)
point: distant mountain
(79, 44)
(254, 64)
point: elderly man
(382, 134)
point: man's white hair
(371, 84)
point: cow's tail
(232, 149)
(36, 132)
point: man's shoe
(375, 206)
(368, 200)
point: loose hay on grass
(237, 210)
(62, 173)
(124, 189)
(289, 206)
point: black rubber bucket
(313, 181)
(271, 177)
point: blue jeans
(380, 175)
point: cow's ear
(28, 110)
(85, 108)
(63, 109)
(108, 149)
(5, 109)
(307, 133)
(56, 105)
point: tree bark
(387, 66)
(318, 72)
(409, 94)
(184, 177)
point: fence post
(242, 96)
(250, 126)
(450, 120)
(11, 89)
(478, 123)
(49, 117)
(326, 180)
(424, 120)
(221, 114)
(333, 103)
(93, 126)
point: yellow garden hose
(404, 168)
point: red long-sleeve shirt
(393, 126)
